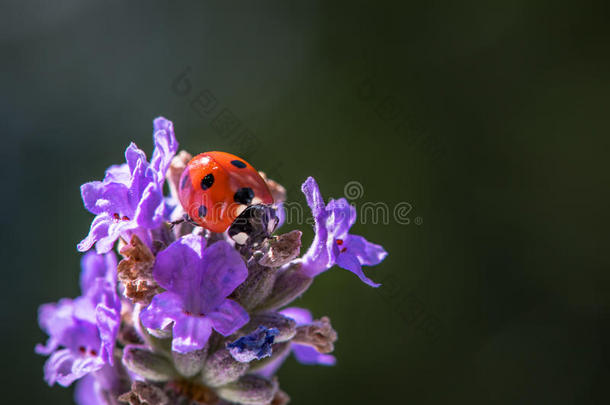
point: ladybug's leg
(185, 218)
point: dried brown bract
(144, 394)
(135, 272)
(281, 250)
(319, 335)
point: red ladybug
(216, 187)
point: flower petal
(228, 317)
(368, 254)
(99, 197)
(99, 229)
(164, 309)
(223, 270)
(341, 217)
(108, 321)
(273, 365)
(165, 146)
(94, 265)
(350, 262)
(54, 319)
(88, 392)
(115, 229)
(301, 316)
(118, 174)
(150, 209)
(191, 333)
(318, 257)
(178, 269)
(134, 156)
(64, 367)
(310, 356)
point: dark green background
(491, 120)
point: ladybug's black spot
(207, 181)
(244, 195)
(203, 210)
(185, 180)
(238, 163)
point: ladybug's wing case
(216, 186)
(243, 177)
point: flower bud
(257, 286)
(189, 364)
(249, 390)
(285, 326)
(281, 398)
(221, 368)
(147, 364)
(289, 285)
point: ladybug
(216, 187)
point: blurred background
(486, 123)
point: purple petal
(118, 174)
(140, 179)
(54, 319)
(88, 392)
(165, 146)
(94, 265)
(150, 210)
(115, 229)
(342, 216)
(101, 197)
(270, 368)
(368, 254)
(133, 156)
(191, 333)
(318, 257)
(108, 322)
(64, 367)
(310, 356)
(300, 315)
(229, 317)
(223, 270)
(99, 229)
(350, 262)
(164, 309)
(178, 269)
(313, 196)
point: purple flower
(130, 198)
(82, 331)
(332, 243)
(254, 346)
(304, 354)
(197, 280)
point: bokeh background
(489, 119)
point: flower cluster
(187, 315)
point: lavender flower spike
(130, 198)
(215, 302)
(197, 280)
(332, 243)
(86, 327)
